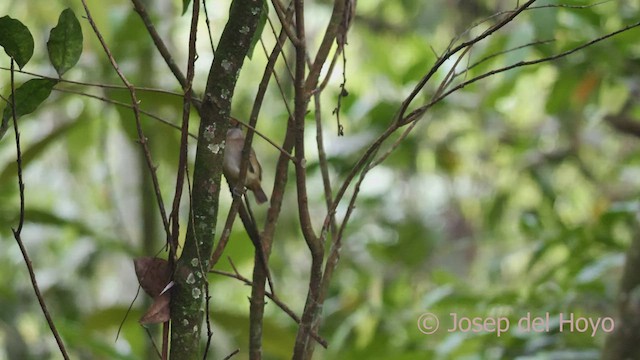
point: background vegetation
(517, 194)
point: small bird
(231, 164)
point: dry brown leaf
(153, 274)
(158, 311)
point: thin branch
(567, 6)
(343, 93)
(300, 110)
(450, 53)
(323, 162)
(417, 113)
(264, 248)
(182, 162)
(136, 112)
(365, 158)
(451, 74)
(280, 41)
(103, 86)
(186, 111)
(129, 106)
(16, 131)
(328, 40)
(500, 13)
(267, 139)
(276, 300)
(41, 301)
(17, 232)
(206, 17)
(228, 357)
(283, 97)
(311, 309)
(624, 123)
(489, 57)
(285, 22)
(153, 342)
(165, 343)
(157, 40)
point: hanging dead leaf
(153, 274)
(158, 311)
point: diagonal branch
(421, 84)
(136, 111)
(417, 113)
(139, 7)
(276, 300)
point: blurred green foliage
(513, 196)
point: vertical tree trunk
(623, 342)
(187, 304)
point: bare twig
(120, 103)
(267, 139)
(280, 41)
(186, 111)
(284, 21)
(624, 123)
(136, 112)
(17, 232)
(236, 351)
(323, 162)
(328, 40)
(365, 161)
(206, 17)
(174, 217)
(276, 300)
(512, 15)
(155, 346)
(417, 113)
(98, 85)
(443, 85)
(157, 40)
(489, 57)
(314, 244)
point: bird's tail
(261, 197)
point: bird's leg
(238, 191)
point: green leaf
(29, 96)
(16, 40)
(258, 33)
(65, 42)
(185, 6)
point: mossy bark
(623, 342)
(187, 304)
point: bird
(231, 164)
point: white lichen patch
(191, 279)
(194, 262)
(209, 132)
(226, 65)
(196, 293)
(244, 30)
(214, 148)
